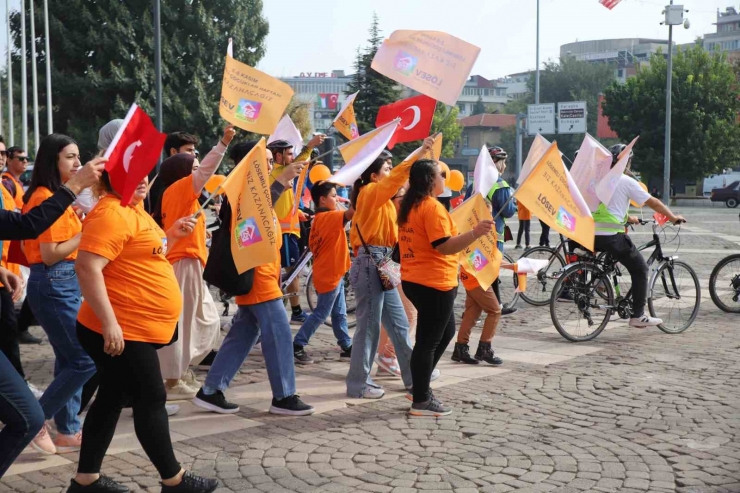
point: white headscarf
(107, 132)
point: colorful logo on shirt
(477, 260)
(405, 63)
(247, 110)
(247, 233)
(164, 243)
(566, 220)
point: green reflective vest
(606, 222)
(500, 225)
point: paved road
(632, 411)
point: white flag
(605, 188)
(590, 166)
(538, 149)
(485, 175)
(286, 130)
(360, 153)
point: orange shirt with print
(65, 228)
(266, 285)
(328, 243)
(18, 199)
(178, 201)
(469, 281)
(421, 263)
(523, 213)
(140, 282)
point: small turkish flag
(416, 116)
(660, 218)
(610, 4)
(133, 153)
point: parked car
(730, 194)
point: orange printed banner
(253, 228)
(551, 194)
(299, 189)
(250, 99)
(345, 122)
(434, 63)
(482, 258)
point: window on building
(461, 107)
(465, 139)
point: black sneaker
(508, 310)
(192, 484)
(215, 402)
(346, 353)
(26, 337)
(301, 356)
(291, 406)
(431, 408)
(104, 484)
(207, 361)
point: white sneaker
(191, 381)
(372, 393)
(37, 393)
(389, 365)
(645, 321)
(435, 375)
(171, 409)
(180, 392)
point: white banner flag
(605, 188)
(360, 153)
(286, 130)
(485, 175)
(590, 166)
(538, 149)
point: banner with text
(345, 121)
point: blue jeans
(332, 303)
(20, 412)
(54, 297)
(373, 306)
(270, 318)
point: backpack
(220, 270)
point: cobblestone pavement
(632, 411)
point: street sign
(572, 117)
(470, 151)
(541, 119)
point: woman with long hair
(375, 222)
(179, 185)
(54, 294)
(131, 308)
(429, 244)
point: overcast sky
(321, 36)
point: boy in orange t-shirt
(328, 243)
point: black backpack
(220, 269)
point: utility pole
(49, 112)
(34, 83)
(24, 81)
(537, 71)
(11, 131)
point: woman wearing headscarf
(179, 185)
(86, 200)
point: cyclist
(611, 237)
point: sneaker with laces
(104, 484)
(301, 356)
(298, 318)
(180, 392)
(645, 321)
(389, 365)
(68, 443)
(371, 393)
(346, 353)
(431, 408)
(192, 484)
(291, 406)
(215, 402)
(37, 393)
(43, 442)
(190, 380)
(435, 375)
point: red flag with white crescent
(416, 116)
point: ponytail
(364, 179)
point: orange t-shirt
(421, 263)
(266, 285)
(180, 200)
(469, 281)
(328, 243)
(523, 213)
(65, 228)
(18, 190)
(8, 205)
(141, 283)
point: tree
(445, 121)
(103, 60)
(706, 102)
(479, 108)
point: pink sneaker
(43, 443)
(68, 443)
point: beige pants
(385, 346)
(477, 302)
(199, 324)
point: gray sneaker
(431, 408)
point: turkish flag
(133, 153)
(416, 116)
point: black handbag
(220, 269)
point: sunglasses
(22, 158)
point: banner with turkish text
(345, 122)
(536, 151)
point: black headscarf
(173, 169)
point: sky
(312, 36)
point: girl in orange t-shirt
(429, 244)
(179, 185)
(131, 308)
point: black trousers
(620, 247)
(134, 377)
(523, 228)
(25, 318)
(436, 328)
(9, 332)
(545, 236)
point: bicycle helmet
(497, 153)
(616, 150)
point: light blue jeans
(270, 318)
(373, 306)
(54, 297)
(332, 303)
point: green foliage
(705, 134)
(479, 107)
(103, 60)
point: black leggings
(134, 377)
(523, 228)
(436, 328)
(545, 235)
(9, 332)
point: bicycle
(724, 284)
(538, 292)
(509, 295)
(591, 285)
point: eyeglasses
(22, 158)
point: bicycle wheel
(724, 284)
(674, 295)
(538, 291)
(509, 296)
(349, 295)
(312, 298)
(581, 301)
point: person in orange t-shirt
(429, 244)
(181, 181)
(328, 243)
(131, 308)
(525, 220)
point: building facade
(727, 37)
(516, 85)
(624, 54)
(324, 92)
(480, 130)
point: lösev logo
(477, 260)
(405, 63)
(247, 110)
(247, 233)
(566, 220)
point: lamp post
(47, 48)
(537, 70)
